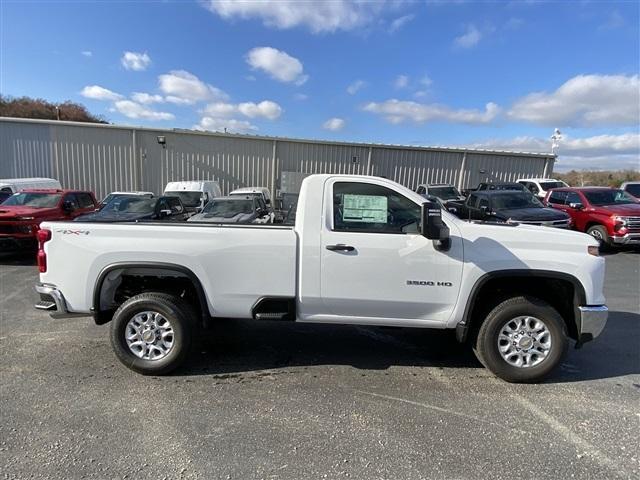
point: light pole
(555, 140)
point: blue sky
(485, 74)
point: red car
(610, 215)
(22, 213)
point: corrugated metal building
(105, 158)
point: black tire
(486, 345)
(600, 234)
(179, 314)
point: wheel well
(117, 284)
(561, 293)
(592, 224)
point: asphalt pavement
(286, 401)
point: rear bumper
(591, 322)
(628, 239)
(52, 301)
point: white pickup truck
(364, 251)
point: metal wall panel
(107, 158)
(413, 167)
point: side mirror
(165, 213)
(432, 226)
(67, 206)
(576, 206)
(267, 201)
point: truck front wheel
(522, 340)
(151, 333)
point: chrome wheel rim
(149, 335)
(597, 235)
(524, 341)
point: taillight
(43, 237)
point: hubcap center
(149, 336)
(525, 342)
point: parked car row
(28, 202)
(610, 215)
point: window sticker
(364, 208)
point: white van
(194, 194)
(9, 186)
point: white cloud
(355, 86)
(401, 81)
(318, 16)
(598, 152)
(265, 109)
(86, 53)
(96, 92)
(426, 81)
(225, 124)
(334, 124)
(300, 96)
(400, 22)
(135, 61)
(584, 100)
(399, 111)
(146, 98)
(184, 88)
(277, 64)
(132, 109)
(468, 39)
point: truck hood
(11, 212)
(532, 214)
(630, 210)
(113, 217)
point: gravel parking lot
(275, 400)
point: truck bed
(236, 264)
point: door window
(365, 207)
(84, 200)
(557, 198)
(573, 197)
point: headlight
(25, 218)
(593, 250)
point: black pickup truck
(508, 206)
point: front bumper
(591, 322)
(628, 239)
(52, 301)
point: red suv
(22, 213)
(610, 215)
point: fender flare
(462, 328)
(95, 309)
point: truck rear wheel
(151, 333)
(522, 340)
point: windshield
(228, 208)
(549, 185)
(634, 189)
(4, 196)
(34, 200)
(122, 204)
(444, 193)
(189, 199)
(608, 197)
(508, 201)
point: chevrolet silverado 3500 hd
(364, 250)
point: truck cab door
(375, 266)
